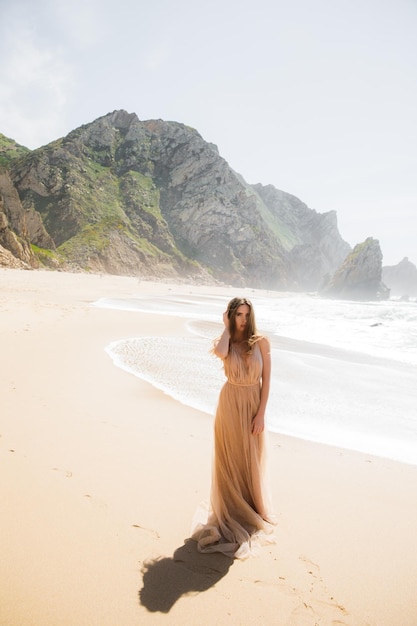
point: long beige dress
(238, 514)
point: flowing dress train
(238, 518)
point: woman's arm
(221, 349)
(258, 422)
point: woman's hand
(258, 424)
(221, 348)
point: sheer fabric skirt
(239, 518)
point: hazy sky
(316, 97)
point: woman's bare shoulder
(264, 343)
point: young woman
(238, 508)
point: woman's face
(242, 317)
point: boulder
(359, 277)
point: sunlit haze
(316, 98)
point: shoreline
(176, 397)
(197, 385)
(103, 474)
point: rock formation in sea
(153, 199)
(360, 275)
(401, 278)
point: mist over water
(343, 373)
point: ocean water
(343, 373)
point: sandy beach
(101, 475)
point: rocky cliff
(360, 275)
(312, 240)
(14, 234)
(152, 198)
(401, 278)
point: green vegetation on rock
(153, 198)
(10, 150)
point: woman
(238, 508)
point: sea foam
(343, 373)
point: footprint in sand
(149, 531)
(319, 606)
(66, 473)
(309, 615)
(100, 504)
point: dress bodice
(243, 369)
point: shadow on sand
(166, 579)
